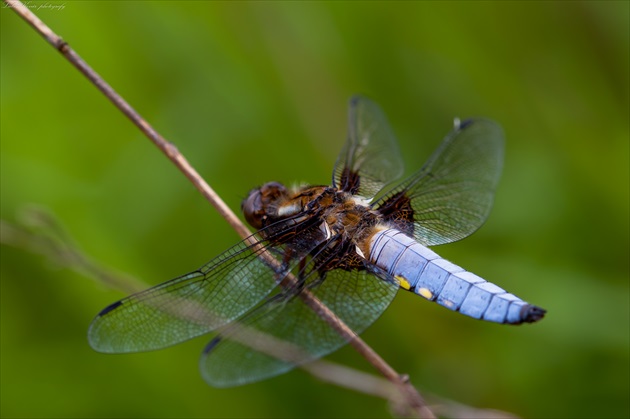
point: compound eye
(253, 209)
(260, 201)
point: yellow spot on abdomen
(404, 284)
(425, 292)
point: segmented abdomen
(422, 271)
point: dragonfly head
(257, 207)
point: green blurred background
(253, 92)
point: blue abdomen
(424, 272)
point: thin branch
(410, 394)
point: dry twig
(413, 399)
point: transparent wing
(200, 301)
(370, 158)
(286, 332)
(451, 195)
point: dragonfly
(350, 246)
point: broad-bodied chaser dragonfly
(351, 245)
